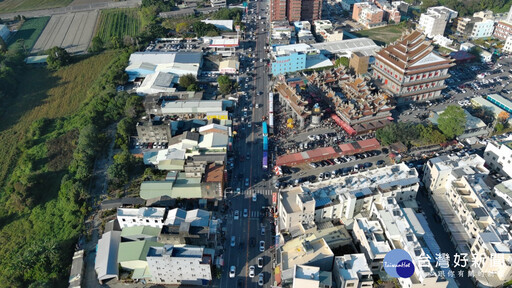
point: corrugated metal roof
(322, 152)
(135, 250)
(106, 255)
(140, 230)
(369, 143)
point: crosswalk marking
(260, 192)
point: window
(350, 284)
(147, 221)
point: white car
(262, 246)
(260, 262)
(245, 213)
(232, 272)
(251, 271)
(237, 215)
(254, 197)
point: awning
(343, 124)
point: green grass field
(382, 35)
(44, 94)
(30, 31)
(118, 22)
(25, 5)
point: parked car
(251, 271)
(237, 215)
(232, 272)
(260, 262)
(262, 246)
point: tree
(96, 44)
(430, 135)
(181, 27)
(193, 87)
(57, 58)
(477, 52)
(341, 61)
(452, 122)
(503, 116)
(187, 80)
(3, 45)
(225, 84)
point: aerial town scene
(256, 143)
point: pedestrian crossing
(252, 214)
(249, 192)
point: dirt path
(98, 190)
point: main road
(257, 226)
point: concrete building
(4, 32)
(145, 216)
(498, 155)
(351, 270)
(482, 29)
(218, 3)
(508, 44)
(368, 15)
(348, 5)
(179, 265)
(391, 13)
(345, 48)
(501, 102)
(400, 235)
(295, 10)
(302, 25)
(306, 276)
(359, 63)
(154, 130)
(224, 47)
(142, 64)
(77, 270)
(477, 221)
(229, 66)
(433, 22)
(502, 30)
(298, 251)
(369, 237)
(410, 70)
(293, 103)
(296, 211)
(452, 14)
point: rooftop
(143, 212)
(350, 265)
(365, 46)
(175, 251)
(196, 217)
(299, 251)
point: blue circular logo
(398, 263)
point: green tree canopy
(397, 132)
(342, 61)
(452, 122)
(96, 44)
(57, 58)
(201, 29)
(187, 80)
(225, 84)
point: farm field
(29, 31)
(118, 23)
(25, 5)
(383, 35)
(71, 31)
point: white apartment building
(508, 44)
(218, 3)
(369, 236)
(351, 270)
(303, 251)
(498, 155)
(452, 14)
(344, 197)
(483, 29)
(478, 222)
(296, 210)
(401, 236)
(144, 216)
(183, 265)
(433, 22)
(503, 192)
(306, 276)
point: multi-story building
(368, 15)
(310, 277)
(348, 5)
(359, 62)
(482, 29)
(218, 3)
(184, 265)
(433, 22)
(369, 237)
(295, 10)
(498, 155)
(145, 216)
(300, 251)
(452, 14)
(351, 270)
(508, 44)
(410, 70)
(391, 14)
(342, 198)
(296, 209)
(502, 30)
(477, 222)
(400, 235)
(154, 130)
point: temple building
(410, 70)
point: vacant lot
(29, 31)
(25, 5)
(383, 35)
(44, 94)
(118, 23)
(72, 31)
